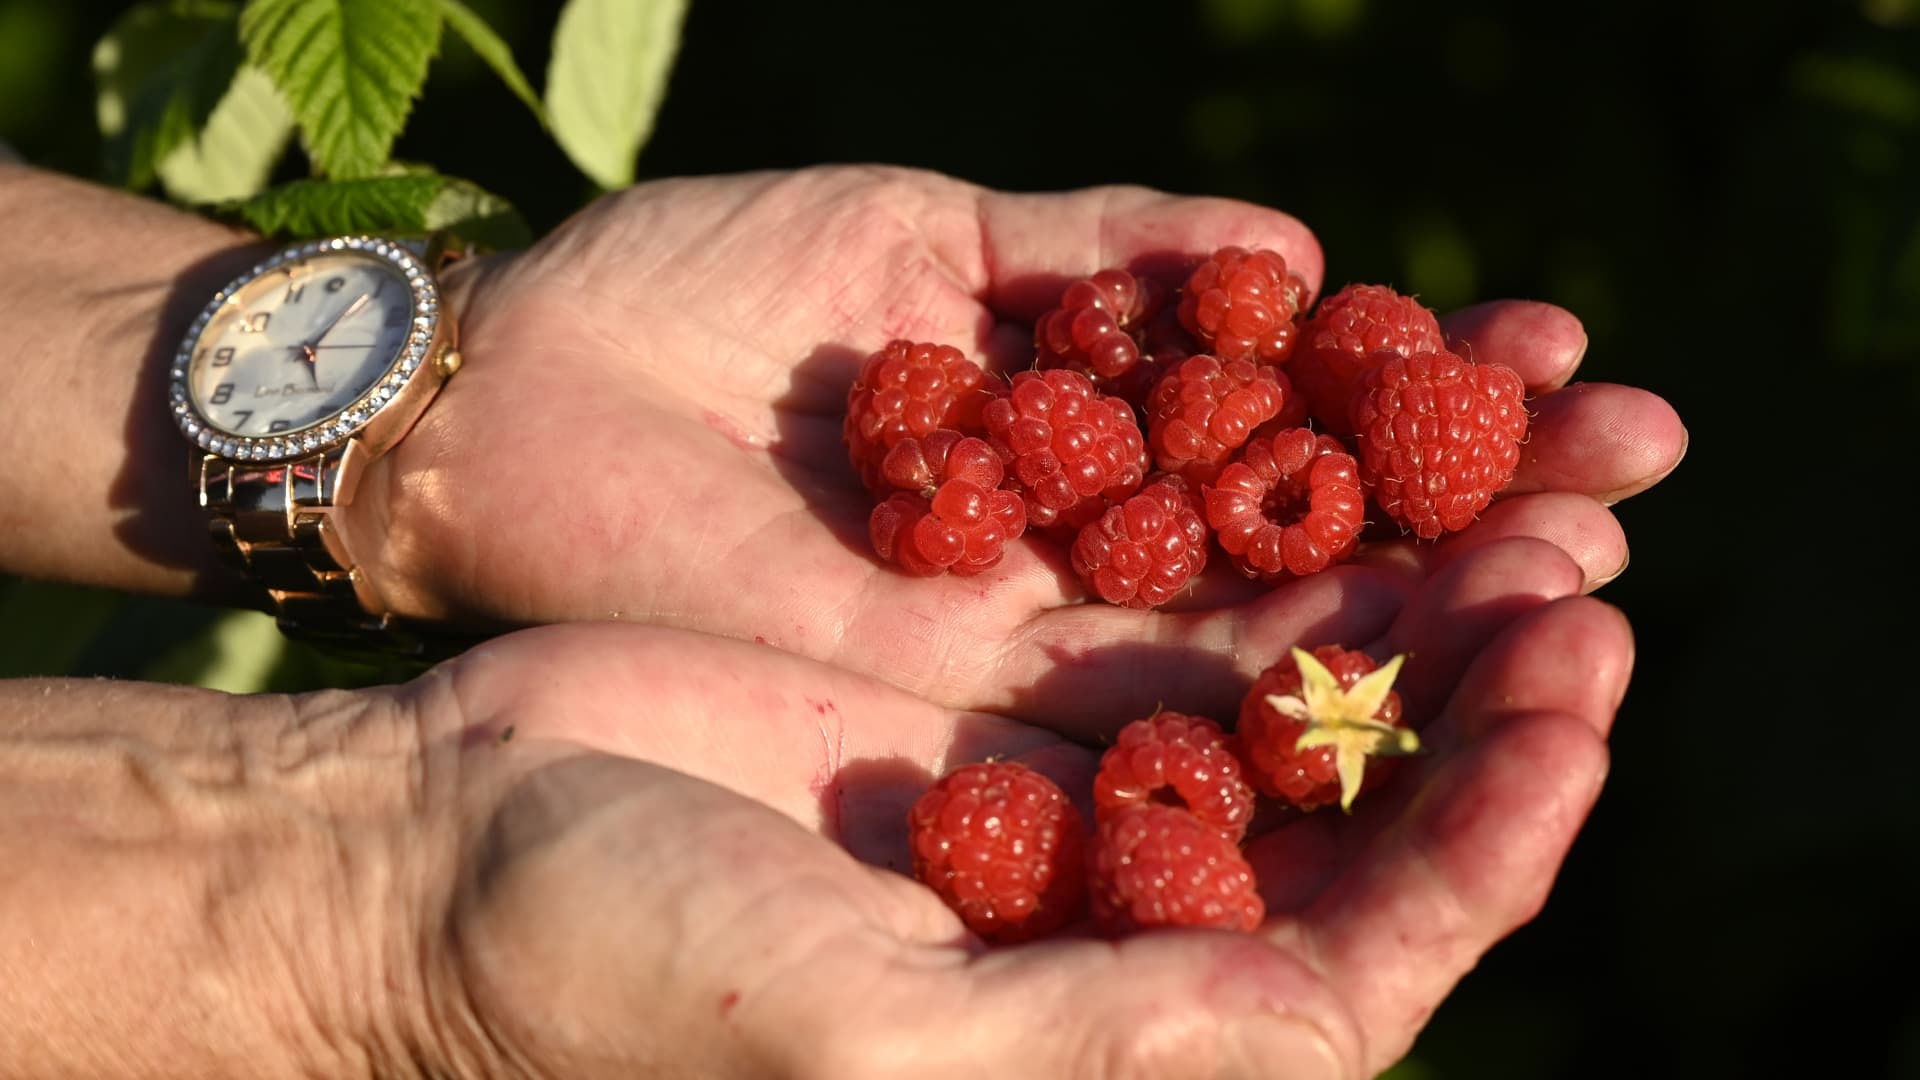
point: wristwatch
(294, 377)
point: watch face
(302, 351)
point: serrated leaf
(406, 204)
(490, 48)
(234, 154)
(350, 70)
(159, 73)
(611, 60)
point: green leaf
(407, 204)
(235, 152)
(350, 69)
(490, 48)
(611, 59)
(159, 72)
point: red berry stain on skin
(733, 432)
(727, 1001)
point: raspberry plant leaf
(497, 54)
(404, 204)
(350, 69)
(234, 154)
(159, 72)
(1343, 718)
(608, 73)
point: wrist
(99, 287)
(415, 542)
(265, 862)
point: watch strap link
(274, 523)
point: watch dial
(296, 345)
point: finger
(1445, 625)
(1477, 849)
(1088, 669)
(1174, 1004)
(1035, 245)
(1441, 629)
(1599, 439)
(1576, 524)
(1577, 661)
(1542, 343)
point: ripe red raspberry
(1142, 552)
(1097, 330)
(1069, 450)
(1157, 865)
(1438, 438)
(1003, 847)
(1288, 506)
(910, 389)
(948, 511)
(1175, 759)
(1241, 305)
(1311, 719)
(1347, 336)
(1203, 410)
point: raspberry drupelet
(1177, 759)
(1068, 449)
(1438, 438)
(1350, 334)
(908, 389)
(1155, 865)
(1097, 329)
(1241, 305)
(1205, 408)
(1288, 506)
(1311, 720)
(1144, 551)
(1004, 847)
(947, 510)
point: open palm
(657, 870)
(648, 428)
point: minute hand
(344, 315)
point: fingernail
(1268, 1046)
(1624, 560)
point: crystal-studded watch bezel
(412, 358)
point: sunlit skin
(673, 364)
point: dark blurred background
(1727, 193)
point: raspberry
(1180, 760)
(1438, 438)
(1003, 847)
(1069, 450)
(1311, 719)
(1241, 305)
(910, 389)
(1157, 865)
(1290, 505)
(948, 512)
(1096, 330)
(1141, 553)
(1204, 409)
(1346, 337)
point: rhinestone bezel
(331, 431)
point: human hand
(648, 428)
(649, 868)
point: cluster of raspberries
(1010, 853)
(1158, 423)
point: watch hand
(340, 318)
